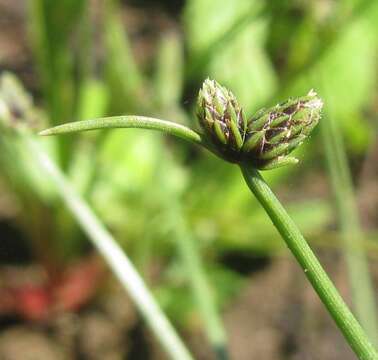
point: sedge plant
(262, 142)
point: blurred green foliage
(263, 51)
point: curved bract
(129, 121)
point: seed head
(221, 119)
(264, 141)
(273, 133)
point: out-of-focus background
(81, 59)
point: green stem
(314, 272)
(117, 260)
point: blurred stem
(314, 272)
(122, 71)
(168, 79)
(201, 289)
(200, 61)
(351, 233)
(54, 58)
(51, 26)
(168, 90)
(114, 256)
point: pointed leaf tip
(45, 132)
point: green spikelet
(266, 140)
(273, 133)
(221, 119)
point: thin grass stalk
(349, 326)
(113, 255)
(52, 50)
(362, 289)
(202, 291)
(122, 71)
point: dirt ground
(276, 316)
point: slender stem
(200, 285)
(351, 233)
(114, 256)
(319, 279)
(132, 121)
